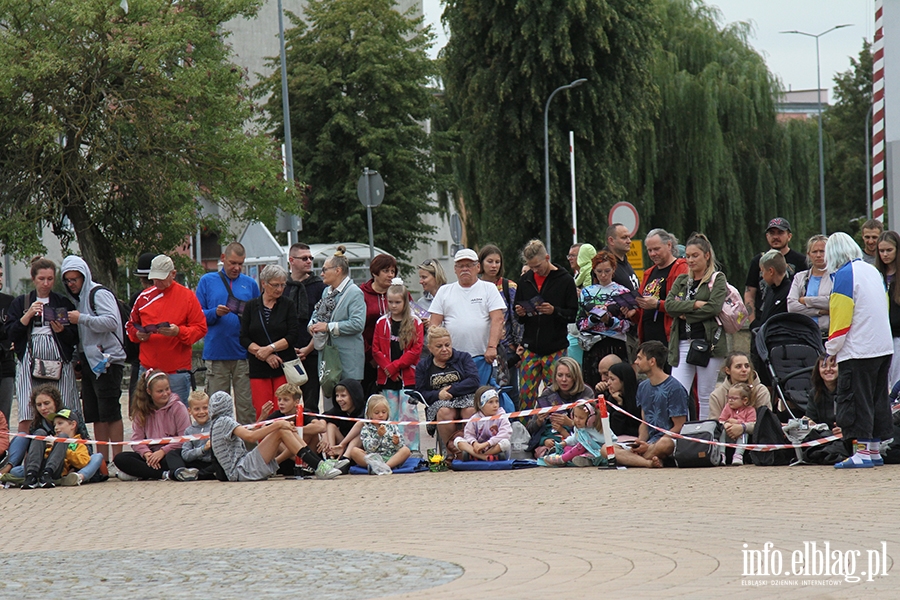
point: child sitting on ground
(584, 448)
(740, 411)
(59, 462)
(486, 439)
(382, 447)
(290, 400)
(275, 442)
(196, 453)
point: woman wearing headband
(155, 413)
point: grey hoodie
(226, 447)
(99, 332)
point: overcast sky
(790, 57)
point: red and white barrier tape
(203, 436)
(756, 447)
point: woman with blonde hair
(697, 346)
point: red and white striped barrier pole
(607, 433)
(877, 149)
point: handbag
(43, 368)
(293, 369)
(294, 372)
(330, 369)
(699, 353)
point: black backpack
(132, 350)
(768, 431)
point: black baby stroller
(790, 344)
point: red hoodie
(405, 366)
(176, 305)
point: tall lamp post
(286, 109)
(568, 86)
(819, 107)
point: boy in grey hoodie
(102, 349)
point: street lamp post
(574, 84)
(819, 108)
(286, 109)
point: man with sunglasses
(305, 289)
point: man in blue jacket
(222, 296)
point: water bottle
(100, 367)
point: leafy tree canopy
(502, 62)
(114, 126)
(358, 76)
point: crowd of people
(483, 345)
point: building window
(443, 249)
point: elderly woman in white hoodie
(102, 348)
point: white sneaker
(186, 474)
(123, 476)
(582, 461)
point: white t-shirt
(39, 327)
(467, 313)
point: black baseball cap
(779, 223)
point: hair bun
(340, 250)
(397, 281)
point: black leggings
(134, 464)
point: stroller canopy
(788, 329)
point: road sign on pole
(370, 190)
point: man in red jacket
(653, 321)
(166, 320)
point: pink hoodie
(491, 431)
(169, 421)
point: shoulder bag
(293, 369)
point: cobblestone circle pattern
(323, 574)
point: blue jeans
(17, 449)
(179, 383)
(88, 471)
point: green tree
(716, 159)
(503, 60)
(114, 126)
(358, 76)
(844, 124)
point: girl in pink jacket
(156, 413)
(486, 439)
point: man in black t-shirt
(654, 323)
(778, 235)
(618, 241)
(773, 268)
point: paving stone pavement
(566, 533)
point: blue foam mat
(410, 465)
(495, 465)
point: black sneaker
(31, 481)
(47, 480)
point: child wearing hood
(275, 442)
(348, 403)
(101, 344)
(585, 255)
